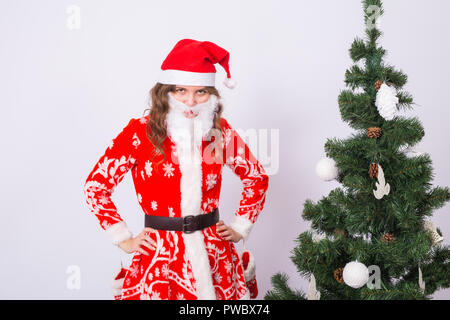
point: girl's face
(190, 95)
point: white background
(66, 93)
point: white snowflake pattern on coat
(134, 270)
(211, 180)
(143, 120)
(148, 168)
(249, 193)
(168, 170)
(104, 199)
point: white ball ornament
(326, 169)
(355, 274)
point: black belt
(186, 224)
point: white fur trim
(187, 135)
(117, 286)
(242, 226)
(187, 78)
(118, 232)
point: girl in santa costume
(176, 154)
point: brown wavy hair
(159, 107)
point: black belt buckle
(187, 221)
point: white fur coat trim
(118, 232)
(242, 226)
(117, 286)
(187, 135)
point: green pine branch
(281, 289)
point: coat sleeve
(107, 173)
(254, 179)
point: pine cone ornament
(387, 237)
(338, 275)
(340, 233)
(386, 101)
(373, 170)
(378, 84)
(374, 132)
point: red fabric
(245, 259)
(252, 286)
(196, 56)
(121, 274)
(166, 273)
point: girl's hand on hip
(135, 244)
(227, 233)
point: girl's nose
(190, 101)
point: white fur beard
(176, 119)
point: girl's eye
(179, 90)
(201, 91)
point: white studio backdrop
(66, 92)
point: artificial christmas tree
(376, 223)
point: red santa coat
(184, 266)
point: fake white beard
(189, 132)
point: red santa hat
(191, 62)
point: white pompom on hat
(191, 63)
